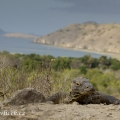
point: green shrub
(83, 69)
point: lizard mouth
(77, 91)
(87, 91)
(90, 90)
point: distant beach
(113, 55)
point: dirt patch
(47, 111)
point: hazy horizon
(42, 17)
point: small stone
(23, 106)
(75, 103)
(109, 114)
(49, 102)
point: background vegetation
(50, 75)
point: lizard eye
(77, 83)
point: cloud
(92, 6)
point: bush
(50, 75)
(83, 69)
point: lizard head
(81, 86)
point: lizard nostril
(77, 83)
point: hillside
(20, 35)
(2, 32)
(88, 36)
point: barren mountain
(20, 35)
(89, 36)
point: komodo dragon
(83, 92)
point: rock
(25, 96)
(75, 103)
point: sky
(41, 17)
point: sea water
(26, 46)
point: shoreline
(30, 37)
(113, 55)
(108, 54)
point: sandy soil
(113, 55)
(47, 111)
(109, 54)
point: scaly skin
(83, 92)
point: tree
(83, 69)
(115, 64)
(104, 62)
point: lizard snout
(89, 88)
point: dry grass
(12, 79)
(42, 79)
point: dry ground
(47, 111)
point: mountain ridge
(20, 35)
(88, 36)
